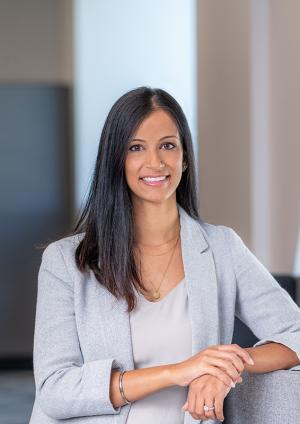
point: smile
(155, 181)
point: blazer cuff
(79, 391)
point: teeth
(154, 179)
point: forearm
(271, 357)
(139, 383)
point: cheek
(177, 162)
(176, 158)
(132, 161)
(131, 167)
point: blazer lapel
(201, 282)
(200, 275)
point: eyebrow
(166, 136)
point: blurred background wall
(122, 45)
(284, 104)
(232, 65)
(249, 148)
(36, 41)
(36, 157)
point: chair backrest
(269, 398)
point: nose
(154, 160)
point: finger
(242, 353)
(195, 413)
(209, 401)
(191, 401)
(219, 404)
(238, 350)
(199, 408)
(220, 374)
(232, 357)
(184, 407)
(225, 365)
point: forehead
(158, 123)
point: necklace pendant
(156, 295)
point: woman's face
(156, 140)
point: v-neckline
(169, 293)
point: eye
(134, 150)
(170, 144)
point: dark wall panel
(36, 199)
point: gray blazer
(82, 331)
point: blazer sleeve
(66, 386)
(261, 303)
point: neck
(155, 223)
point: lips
(156, 183)
(154, 176)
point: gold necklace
(157, 245)
(156, 292)
(159, 254)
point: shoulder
(228, 248)
(218, 235)
(206, 235)
(227, 245)
(61, 253)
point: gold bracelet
(121, 387)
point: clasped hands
(210, 374)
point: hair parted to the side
(107, 218)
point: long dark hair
(107, 218)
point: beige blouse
(161, 334)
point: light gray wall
(120, 45)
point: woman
(145, 286)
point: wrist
(115, 395)
(170, 375)
(248, 367)
(124, 398)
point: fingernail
(232, 384)
(251, 361)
